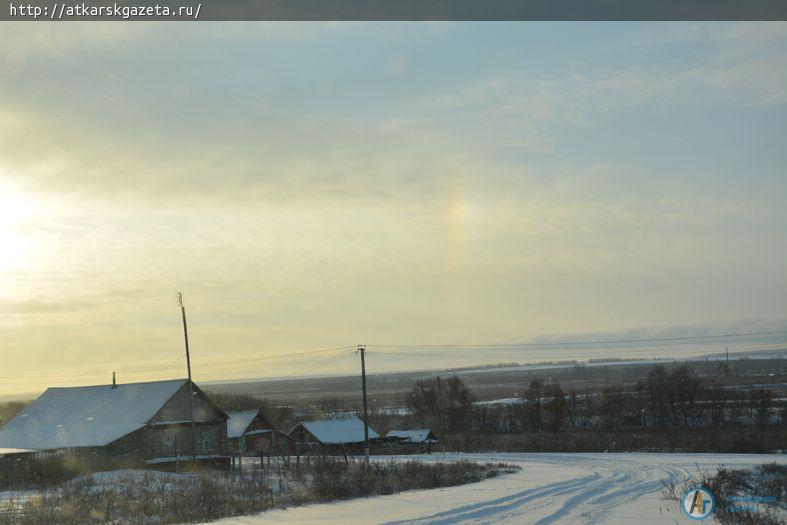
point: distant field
(491, 383)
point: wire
(572, 343)
(207, 366)
(293, 358)
(173, 363)
(519, 353)
(321, 362)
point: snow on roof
(266, 431)
(86, 416)
(173, 459)
(8, 451)
(335, 431)
(420, 435)
(239, 422)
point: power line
(211, 366)
(31, 379)
(161, 371)
(577, 343)
(493, 355)
(323, 361)
(520, 352)
(293, 358)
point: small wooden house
(332, 432)
(421, 436)
(249, 432)
(122, 425)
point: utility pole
(191, 384)
(362, 350)
(727, 352)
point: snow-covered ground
(614, 489)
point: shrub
(756, 496)
(154, 498)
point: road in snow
(550, 489)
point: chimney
(114, 382)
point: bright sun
(18, 211)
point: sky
(321, 185)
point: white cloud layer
(311, 185)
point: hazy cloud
(311, 185)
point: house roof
(87, 416)
(9, 451)
(420, 435)
(239, 422)
(336, 431)
(267, 431)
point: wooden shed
(421, 439)
(344, 432)
(418, 436)
(250, 432)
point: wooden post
(191, 384)
(362, 350)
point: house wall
(301, 435)
(175, 439)
(270, 442)
(177, 408)
(169, 431)
(260, 422)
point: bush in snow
(755, 496)
(154, 498)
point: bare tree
(443, 404)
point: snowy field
(566, 489)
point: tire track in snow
(588, 499)
(645, 481)
(601, 486)
(493, 508)
(551, 489)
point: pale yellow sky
(313, 186)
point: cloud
(738, 326)
(153, 116)
(300, 187)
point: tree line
(664, 399)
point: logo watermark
(698, 503)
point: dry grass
(157, 498)
(756, 496)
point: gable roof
(9, 451)
(239, 421)
(420, 435)
(336, 431)
(87, 416)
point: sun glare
(18, 211)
